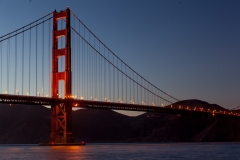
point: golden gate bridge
(57, 61)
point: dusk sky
(188, 48)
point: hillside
(31, 124)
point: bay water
(115, 151)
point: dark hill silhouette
(31, 124)
(199, 104)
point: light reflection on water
(134, 151)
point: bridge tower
(61, 114)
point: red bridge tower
(61, 114)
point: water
(132, 151)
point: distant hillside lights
(213, 112)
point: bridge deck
(35, 100)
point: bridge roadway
(36, 100)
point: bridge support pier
(61, 123)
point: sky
(189, 49)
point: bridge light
(5, 92)
(27, 93)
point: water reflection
(123, 151)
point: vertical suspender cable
(15, 71)
(100, 75)
(94, 73)
(104, 86)
(36, 60)
(109, 70)
(8, 61)
(147, 93)
(133, 83)
(29, 60)
(74, 52)
(93, 70)
(137, 90)
(152, 94)
(126, 82)
(79, 66)
(118, 80)
(155, 96)
(94, 64)
(82, 67)
(80, 57)
(1, 66)
(78, 62)
(113, 80)
(22, 60)
(99, 69)
(130, 82)
(49, 56)
(122, 80)
(88, 54)
(84, 63)
(145, 96)
(87, 68)
(43, 61)
(141, 91)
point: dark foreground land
(31, 124)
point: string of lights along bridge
(57, 61)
